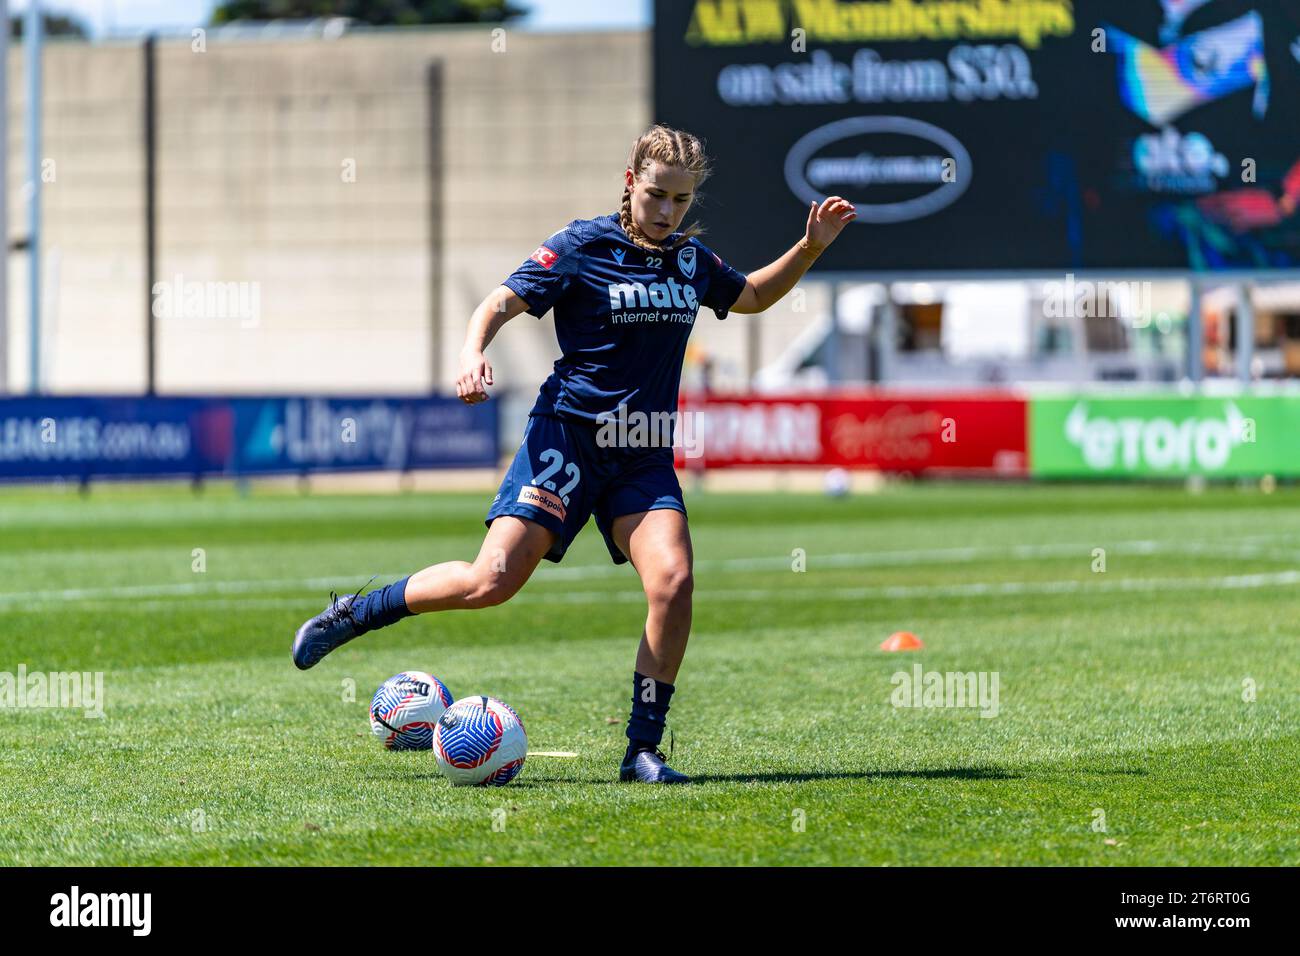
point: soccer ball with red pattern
(480, 741)
(406, 708)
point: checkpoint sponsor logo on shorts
(548, 501)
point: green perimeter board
(1148, 436)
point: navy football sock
(383, 607)
(645, 727)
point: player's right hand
(475, 375)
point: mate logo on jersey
(544, 257)
(632, 295)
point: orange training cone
(902, 641)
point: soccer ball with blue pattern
(406, 709)
(480, 741)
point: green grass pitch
(1146, 714)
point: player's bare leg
(510, 554)
(511, 551)
(658, 543)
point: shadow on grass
(940, 773)
(954, 773)
(944, 773)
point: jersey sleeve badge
(544, 257)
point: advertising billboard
(909, 433)
(1164, 436)
(79, 438)
(1030, 136)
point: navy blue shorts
(560, 477)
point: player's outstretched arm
(767, 286)
(496, 310)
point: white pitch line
(803, 592)
(205, 588)
(551, 753)
(867, 559)
(211, 589)
(973, 589)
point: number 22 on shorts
(554, 463)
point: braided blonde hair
(671, 147)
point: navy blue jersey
(622, 315)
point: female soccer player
(625, 289)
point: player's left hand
(826, 221)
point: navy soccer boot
(647, 766)
(331, 628)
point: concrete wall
(300, 169)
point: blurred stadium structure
(366, 192)
(331, 202)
